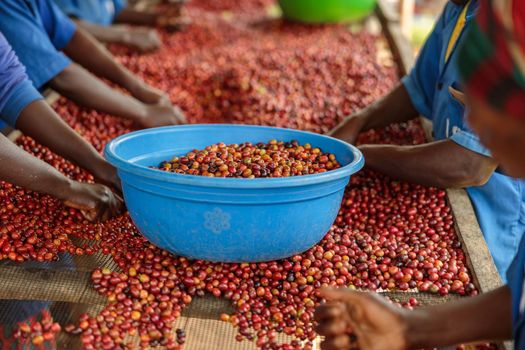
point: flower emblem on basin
(217, 220)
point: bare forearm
(395, 107)
(110, 34)
(40, 122)
(131, 16)
(486, 317)
(90, 54)
(441, 164)
(22, 169)
(79, 85)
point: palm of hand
(377, 324)
(379, 328)
(366, 317)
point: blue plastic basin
(224, 219)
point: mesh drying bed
(64, 287)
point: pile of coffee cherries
(247, 160)
(388, 235)
(39, 332)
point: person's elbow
(468, 174)
(66, 81)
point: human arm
(443, 164)
(169, 18)
(379, 325)
(40, 122)
(82, 87)
(90, 54)
(96, 202)
(395, 107)
(143, 39)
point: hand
(149, 95)
(106, 174)
(96, 202)
(172, 22)
(144, 39)
(159, 115)
(349, 129)
(377, 324)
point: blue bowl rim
(259, 183)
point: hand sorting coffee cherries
(272, 159)
(387, 236)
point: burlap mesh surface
(66, 284)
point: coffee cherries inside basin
(248, 160)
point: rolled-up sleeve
(470, 141)
(16, 91)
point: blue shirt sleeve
(421, 82)
(58, 26)
(16, 91)
(465, 137)
(22, 25)
(119, 6)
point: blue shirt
(515, 282)
(101, 12)
(499, 204)
(37, 30)
(16, 91)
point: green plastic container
(326, 11)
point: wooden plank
(14, 135)
(479, 260)
(51, 96)
(386, 12)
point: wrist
(98, 166)
(64, 187)
(417, 329)
(362, 119)
(368, 154)
(133, 85)
(140, 112)
(126, 36)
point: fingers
(181, 117)
(173, 24)
(328, 311)
(332, 328)
(117, 186)
(333, 324)
(119, 206)
(110, 207)
(340, 342)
